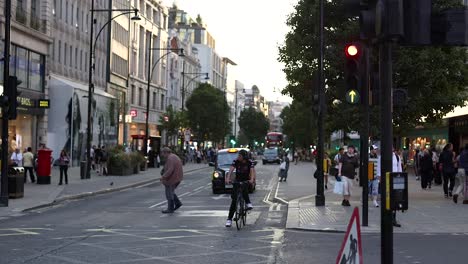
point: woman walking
(426, 169)
(64, 160)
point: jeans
(31, 174)
(172, 199)
(245, 194)
(64, 171)
(449, 177)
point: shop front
(458, 131)
(137, 126)
(419, 139)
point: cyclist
(245, 171)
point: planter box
(144, 166)
(120, 171)
(136, 169)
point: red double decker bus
(274, 139)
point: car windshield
(270, 151)
(226, 158)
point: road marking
(204, 213)
(21, 231)
(276, 195)
(163, 202)
(222, 196)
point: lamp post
(197, 74)
(150, 76)
(92, 49)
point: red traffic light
(351, 50)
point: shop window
(36, 72)
(22, 66)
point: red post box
(44, 166)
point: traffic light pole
(386, 225)
(6, 74)
(320, 196)
(365, 137)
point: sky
(248, 32)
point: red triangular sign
(351, 249)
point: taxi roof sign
(232, 150)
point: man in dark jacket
(171, 178)
(448, 169)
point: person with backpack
(103, 157)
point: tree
(435, 77)
(299, 124)
(171, 122)
(208, 113)
(253, 124)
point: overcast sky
(249, 33)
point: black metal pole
(320, 196)
(6, 74)
(386, 228)
(235, 118)
(145, 144)
(183, 85)
(365, 138)
(89, 135)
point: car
(221, 166)
(271, 155)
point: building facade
(30, 41)
(70, 24)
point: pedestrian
(97, 157)
(437, 175)
(104, 156)
(447, 160)
(17, 158)
(296, 157)
(28, 164)
(426, 169)
(92, 157)
(171, 178)
(460, 180)
(396, 167)
(199, 156)
(64, 161)
(336, 160)
(284, 168)
(417, 164)
(347, 169)
(326, 168)
(374, 183)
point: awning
(81, 86)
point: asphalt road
(128, 227)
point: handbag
(338, 189)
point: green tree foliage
(435, 77)
(253, 124)
(208, 113)
(299, 124)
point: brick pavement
(429, 211)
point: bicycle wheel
(239, 212)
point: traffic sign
(351, 249)
(352, 96)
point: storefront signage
(43, 103)
(133, 113)
(25, 102)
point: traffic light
(417, 16)
(354, 71)
(13, 93)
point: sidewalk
(429, 211)
(36, 196)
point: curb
(104, 191)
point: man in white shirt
(397, 167)
(17, 158)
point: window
(155, 100)
(140, 96)
(65, 55)
(141, 55)
(66, 11)
(134, 61)
(76, 58)
(22, 66)
(59, 51)
(120, 34)
(132, 95)
(36, 71)
(119, 65)
(28, 66)
(162, 101)
(86, 61)
(71, 55)
(72, 13)
(81, 60)
(148, 12)
(77, 16)
(60, 8)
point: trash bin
(83, 169)
(16, 182)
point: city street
(128, 227)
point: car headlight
(216, 174)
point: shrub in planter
(136, 159)
(119, 163)
(144, 164)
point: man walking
(460, 181)
(28, 162)
(173, 175)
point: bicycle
(240, 215)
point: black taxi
(222, 165)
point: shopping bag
(338, 189)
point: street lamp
(150, 76)
(89, 135)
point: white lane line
(163, 202)
(199, 188)
(276, 195)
